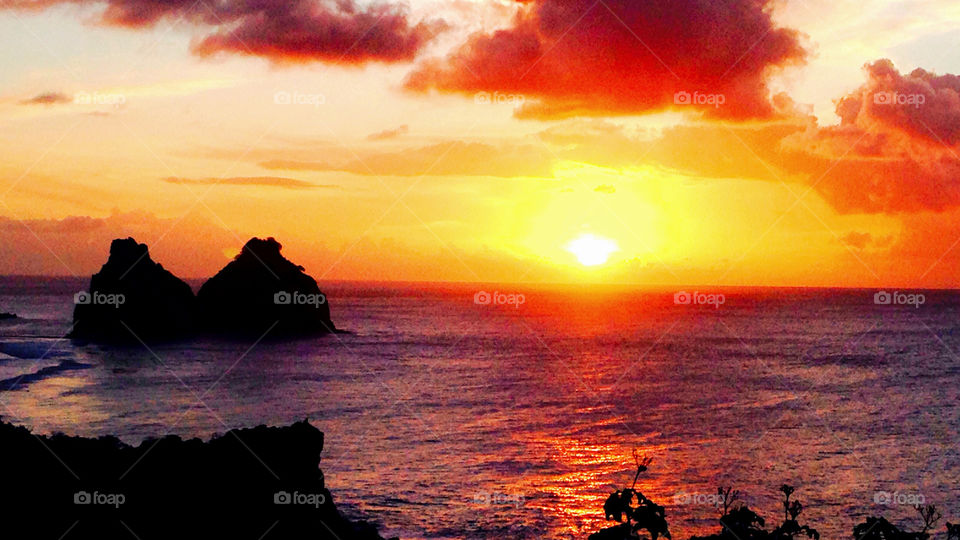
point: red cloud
(922, 103)
(896, 149)
(579, 57)
(333, 31)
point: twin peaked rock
(259, 293)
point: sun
(592, 250)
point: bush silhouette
(878, 528)
(634, 511)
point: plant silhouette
(636, 514)
(738, 522)
(791, 528)
(878, 528)
(953, 531)
(633, 511)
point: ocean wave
(19, 382)
(35, 350)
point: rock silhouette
(261, 291)
(248, 483)
(5, 316)
(133, 298)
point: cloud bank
(283, 31)
(586, 58)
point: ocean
(511, 411)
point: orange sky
(800, 143)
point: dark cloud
(333, 31)
(585, 58)
(48, 98)
(270, 181)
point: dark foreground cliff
(248, 483)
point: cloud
(605, 188)
(48, 98)
(284, 31)
(452, 158)
(921, 103)
(863, 240)
(389, 133)
(581, 58)
(189, 245)
(896, 149)
(856, 240)
(708, 149)
(271, 181)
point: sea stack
(132, 298)
(262, 293)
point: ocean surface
(445, 418)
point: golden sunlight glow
(592, 250)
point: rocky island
(133, 298)
(260, 292)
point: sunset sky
(724, 142)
